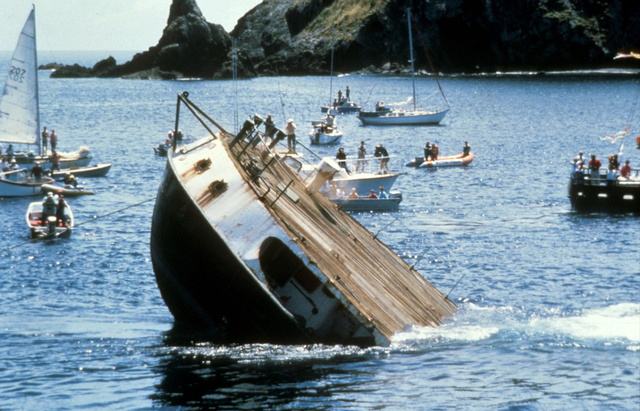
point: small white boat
(50, 227)
(65, 189)
(325, 133)
(342, 106)
(363, 182)
(18, 183)
(459, 160)
(365, 204)
(96, 170)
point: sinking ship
(246, 249)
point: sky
(99, 25)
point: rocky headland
(295, 37)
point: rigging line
(424, 47)
(115, 211)
(284, 116)
(446, 297)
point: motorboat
(458, 160)
(51, 225)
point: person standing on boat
(348, 93)
(382, 153)
(466, 149)
(341, 156)
(45, 140)
(290, 129)
(612, 175)
(37, 172)
(427, 151)
(382, 194)
(55, 161)
(625, 170)
(594, 167)
(269, 127)
(53, 139)
(434, 151)
(361, 161)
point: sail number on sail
(17, 74)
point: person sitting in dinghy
(70, 180)
(49, 207)
(372, 194)
(61, 211)
(382, 193)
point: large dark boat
(245, 250)
(589, 192)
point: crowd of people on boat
(380, 153)
(336, 192)
(342, 99)
(49, 145)
(614, 171)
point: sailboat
(394, 117)
(342, 104)
(20, 110)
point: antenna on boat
(413, 69)
(431, 66)
(331, 70)
(234, 65)
(35, 56)
(284, 116)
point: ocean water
(549, 301)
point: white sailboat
(396, 117)
(19, 106)
(19, 116)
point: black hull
(619, 198)
(202, 281)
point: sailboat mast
(35, 59)
(413, 77)
(331, 73)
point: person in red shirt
(625, 170)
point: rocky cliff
(295, 37)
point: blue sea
(548, 299)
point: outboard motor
(325, 171)
(51, 224)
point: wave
(618, 323)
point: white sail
(19, 117)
